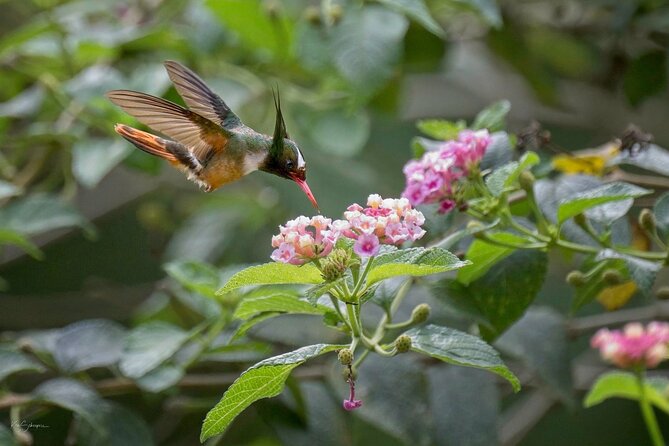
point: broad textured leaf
(645, 76)
(256, 27)
(413, 262)
(499, 151)
(417, 10)
(492, 117)
(40, 213)
(263, 380)
(483, 255)
(120, 427)
(12, 362)
(249, 323)
(652, 157)
(276, 302)
(366, 46)
(459, 348)
(73, 396)
(13, 237)
(505, 176)
(316, 291)
(87, 344)
(440, 129)
(92, 159)
(538, 339)
(195, 276)
(273, 273)
(160, 378)
(607, 193)
(661, 211)
(624, 385)
(643, 272)
(148, 345)
(466, 405)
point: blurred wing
(199, 97)
(198, 134)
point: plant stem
(362, 278)
(352, 320)
(647, 412)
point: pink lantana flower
(384, 221)
(304, 239)
(434, 177)
(634, 345)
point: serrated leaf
(482, 256)
(459, 348)
(148, 345)
(73, 396)
(92, 159)
(642, 271)
(13, 362)
(199, 277)
(273, 273)
(417, 10)
(661, 211)
(440, 129)
(492, 117)
(89, 343)
(316, 291)
(538, 339)
(625, 385)
(505, 176)
(263, 380)
(12, 237)
(40, 213)
(499, 151)
(276, 302)
(249, 323)
(366, 46)
(160, 378)
(607, 193)
(413, 262)
(652, 157)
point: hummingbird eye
(289, 164)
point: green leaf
(488, 9)
(87, 344)
(92, 159)
(249, 323)
(499, 152)
(507, 175)
(492, 117)
(316, 291)
(624, 385)
(73, 396)
(276, 302)
(160, 378)
(440, 129)
(23, 104)
(12, 362)
(324, 129)
(413, 262)
(263, 380)
(366, 46)
(199, 277)
(482, 255)
(120, 427)
(256, 26)
(643, 272)
(40, 213)
(273, 273)
(8, 189)
(645, 76)
(417, 10)
(149, 345)
(459, 348)
(652, 157)
(12, 237)
(661, 211)
(538, 339)
(607, 193)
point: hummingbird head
(285, 158)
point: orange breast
(222, 170)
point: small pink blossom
(367, 245)
(435, 176)
(304, 239)
(351, 403)
(635, 345)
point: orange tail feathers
(146, 142)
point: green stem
(647, 412)
(362, 278)
(522, 229)
(335, 304)
(542, 223)
(507, 244)
(352, 320)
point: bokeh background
(88, 223)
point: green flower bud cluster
(403, 344)
(334, 266)
(420, 313)
(345, 356)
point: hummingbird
(207, 140)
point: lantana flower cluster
(384, 221)
(634, 345)
(434, 177)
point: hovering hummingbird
(207, 140)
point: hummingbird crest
(280, 132)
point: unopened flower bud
(420, 313)
(647, 220)
(576, 279)
(612, 277)
(403, 344)
(313, 15)
(474, 226)
(580, 220)
(526, 180)
(345, 356)
(663, 293)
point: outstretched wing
(201, 136)
(199, 97)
